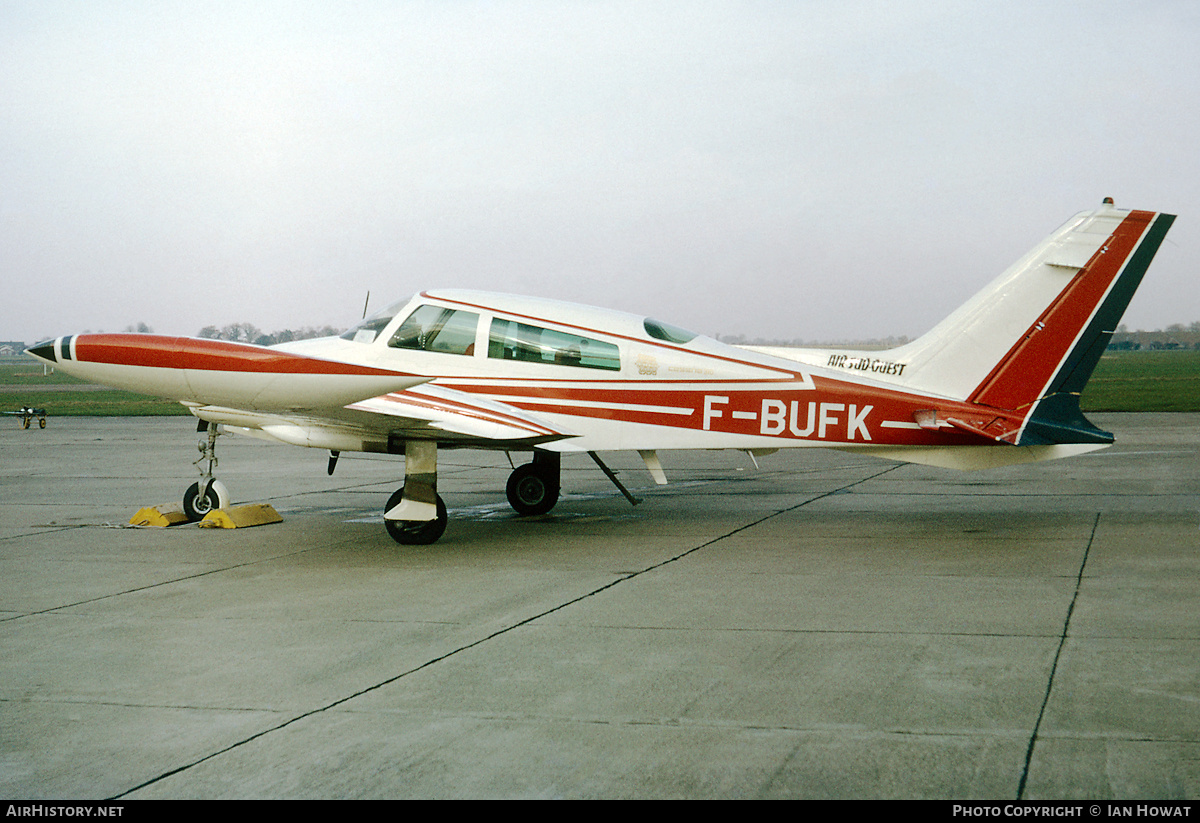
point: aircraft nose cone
(43, 351)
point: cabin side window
(437, 329)
(510, 340)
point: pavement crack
(1062, 641)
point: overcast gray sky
(809, 170)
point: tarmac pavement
(827, 626)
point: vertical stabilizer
(1028, 342)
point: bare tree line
(249, 333)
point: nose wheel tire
(416, 532)
(530, 491)
(196, 506)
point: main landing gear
(415, 532)
(416, 514)
(534, 487)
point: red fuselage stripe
(758, 411)
(205, 355)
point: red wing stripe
(453, 407)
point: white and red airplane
(996, 383)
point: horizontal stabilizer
(973, 458)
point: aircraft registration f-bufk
(996, 383)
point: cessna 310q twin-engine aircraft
(996, 383)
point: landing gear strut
(534, 487)
(209, 493)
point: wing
(383, 423)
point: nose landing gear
(209, 493)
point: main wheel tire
(416, 532)
(529, 492)
(195, 506)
